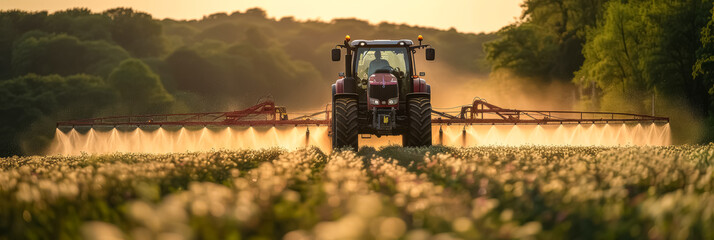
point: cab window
(393, 60)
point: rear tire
(345, 128)
(419, 131)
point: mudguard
(338, 89)
(345, 85)
(420, 86)
(339, 86)
(421, 89)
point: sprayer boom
(266, 113)
(263, 113)
(482, 112)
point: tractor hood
(382, 79)
(383, 90)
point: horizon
(464, 16)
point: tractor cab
(376, 60)
(378, 90)
(381, 72)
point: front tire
(345, 128)
(419, 131)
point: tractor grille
(383, 92)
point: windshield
(386, 59)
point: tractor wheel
(344, 128)
(419, 132)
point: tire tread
(345, 127)
(419, 133)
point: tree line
(638, 56)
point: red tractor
(380, 93)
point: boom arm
(265, 113)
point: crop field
(390, 193)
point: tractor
(380, 93)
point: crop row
(394, 192)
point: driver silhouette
(378, 63)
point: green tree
(65, 55)
(242, 72)
(137, 32)
(644, 51)
(547, 42)
(675, 28)
(703, 69)
(140, 89)
(193, 73)
(613, 55)
(644, 47)
(13, 24)
(523, 49)
(28, 102)
(79, 22)
(226, 32)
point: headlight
(393, 101)
(374, 101)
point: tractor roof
(406, 42)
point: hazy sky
(464, 15)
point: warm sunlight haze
(465, 15)
(357, 119)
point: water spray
(463, 136)
(264, 125)
(441, 136)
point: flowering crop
(391, 193)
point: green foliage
(524, 49)
(391, 193)
(644, 48)
(137, 32)
(216, 70)
(546, 43)
(613, 55)
(45, 54)
(704, 67)
(134, 31)
(81, 23)
(12, 25)
(410, 158)
(189, 72)
(226, 32)
(26, 102)
(65, 216)
(140, 89)
(633, 56)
